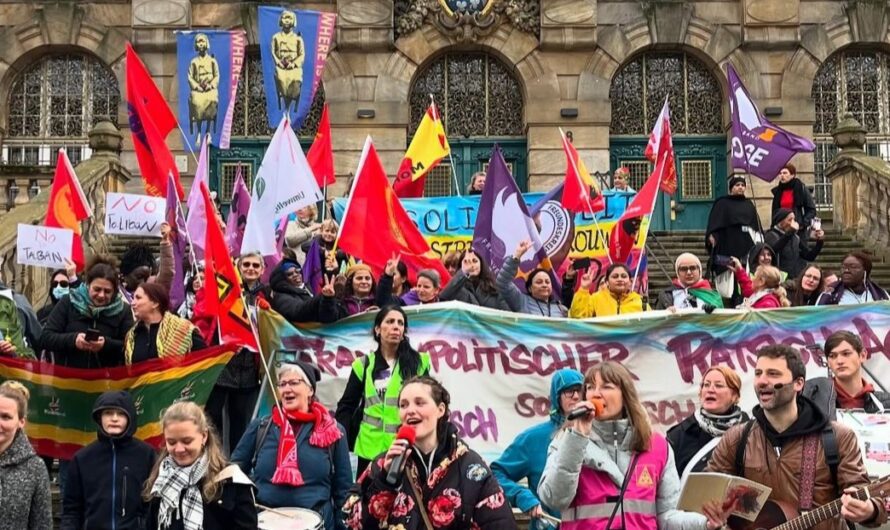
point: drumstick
(273, 510)
(549, 517)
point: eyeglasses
(572, 392)
(293, 384)
(687, 269)
(62, 283)
(251, 265)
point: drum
(290, 519)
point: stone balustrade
(101, 173)
(860, 187)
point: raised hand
(70, 269)
(327, 289)
(587, 279)
(522, 248)
(392, 264)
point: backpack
(829, 446)
(11, 325)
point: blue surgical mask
(59, 292)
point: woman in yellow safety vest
(369, 407)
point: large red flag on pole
(375, 225)
(660, 144)
(68, 205)
(151, 120)
(580, 192)
(321, 154)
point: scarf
(324, 433)
(171, 482)
(701, 284)
(174, 338)
(80, 299)
(717, 424)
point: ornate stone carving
(668, 20)
(466, 20)
(868, 20)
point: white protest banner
(873, 433)
(43, 246)
(498, 365)
(135, 215)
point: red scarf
(846, 401)
(324, 433)
(701, 284)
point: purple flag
(759, 147)
(273, 260)
(196, 221)
(313, 268)
(178, 237)
(503, 220)
(237, 219)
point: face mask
(59, 292)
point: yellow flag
(428, 147)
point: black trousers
(231, 410)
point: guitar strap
(808, 472)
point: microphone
(596, 406)
(393, 476)
(778, 386)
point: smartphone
(723, 261)
(816, 223)
(581, 263)
(92, 335)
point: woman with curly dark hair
(473, 283)
(442, 484)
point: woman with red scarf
(688, 290)
(298, 456)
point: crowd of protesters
(216, 466)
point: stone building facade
(507, 71)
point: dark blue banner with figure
(294, 46)
(209, 64)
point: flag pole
(187, 142)
(450, 158)
(586, 195)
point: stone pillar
(106, 141)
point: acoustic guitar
(777, 515)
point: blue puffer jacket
(527, 455)
(326, 471)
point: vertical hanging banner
(294, 47)
(209, 63)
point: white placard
(136, 215)
(42, 246)
(873, 434)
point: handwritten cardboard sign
(136, 215)
(42, 246)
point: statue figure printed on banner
(203, 79)
(289, 53)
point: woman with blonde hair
(24, 482)
(612, 445)
(694, 438)
(764, 290)
(192, 486)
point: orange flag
(222, 285)
(68, 205)
(373, 208)
(321, 154)
(428, 147)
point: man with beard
(783, 446)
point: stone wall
(564, 52)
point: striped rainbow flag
(60, 411)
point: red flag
(151, 120)
(661, 144)
(625, 231)
(321, 154)
(222, 285)
(428, 147)
(68, 205)
(580, 193)
(375, 225)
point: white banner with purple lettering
(497, 365)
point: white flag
(196, 219)
(283, 185)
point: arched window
(480, 99)
(250, 119)
(857, 81)
(54, 102)
(638, 91)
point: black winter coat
(145, 342)
(65, 322)
(105, 478)
(686, 438)
(234, 510)
(804, 206)
(462, 289)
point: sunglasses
(251, 265)
(62, 283)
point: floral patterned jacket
(460, 493)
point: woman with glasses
(689, 289)
(298, 455)
(526, 456)
(807, 287)
(695, 438)
(855, 286)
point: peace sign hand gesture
(392, 264)
(587, 279)
(327, 289)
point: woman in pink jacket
(765, 290)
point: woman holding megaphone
(609, 469)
